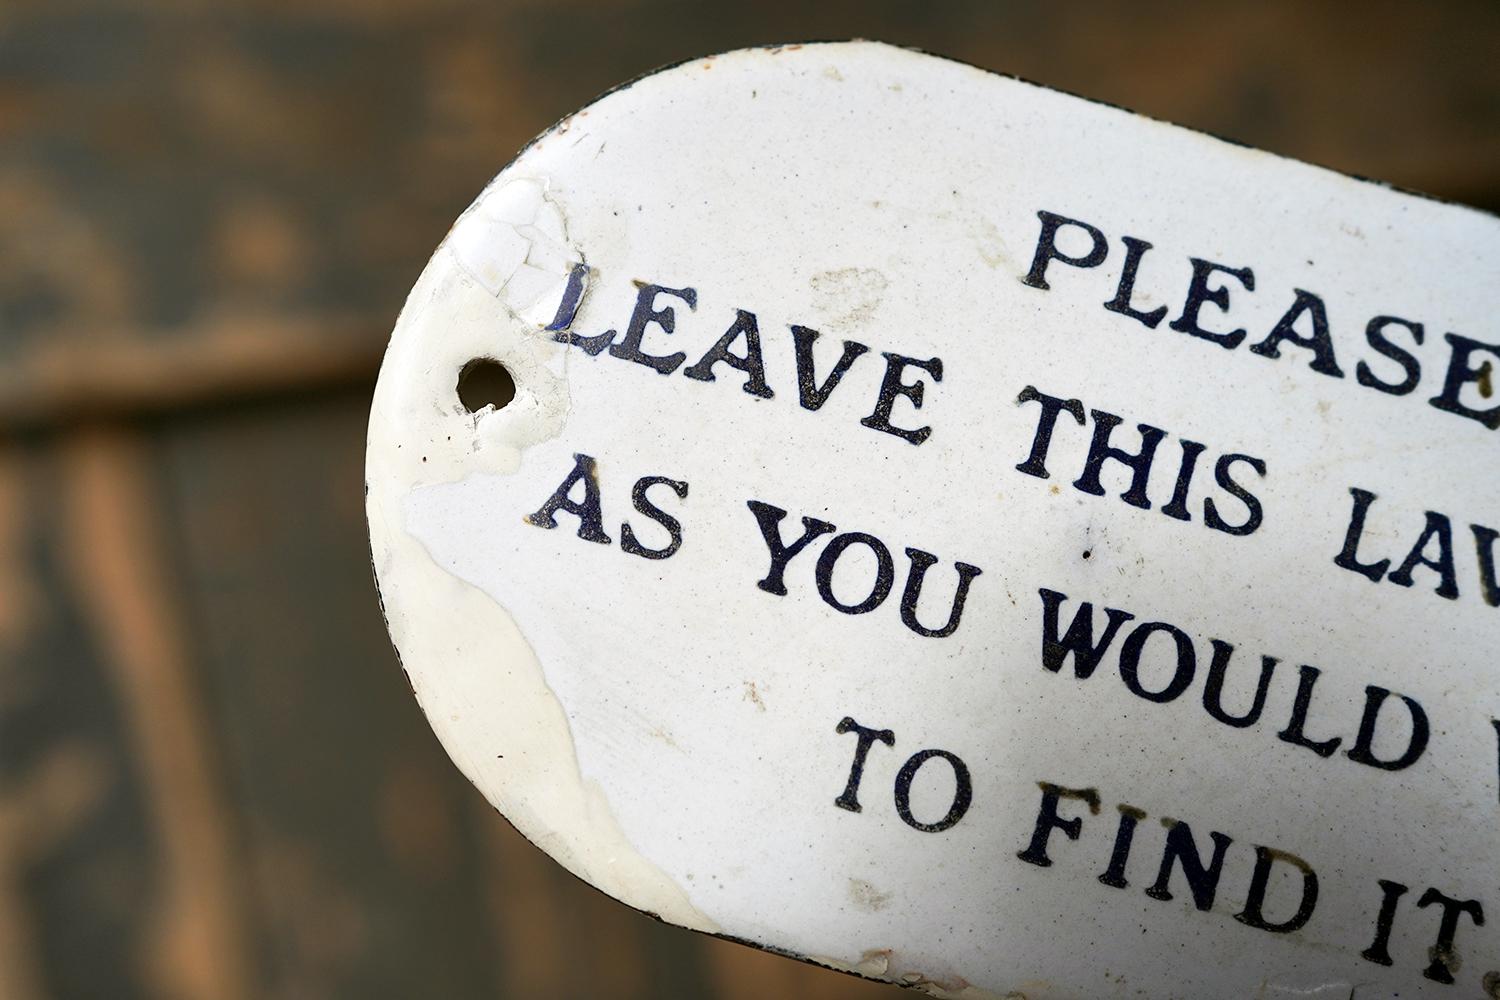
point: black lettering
(1134, 250)
(1114, 875)
(1079, 639)
(1036, 464)
(1437, 528)
(1213, 687)
(750, 362)
(1411, 369)
(885, 572)
(963, 794)
(812, 395)
(920, 563)
(1495, 723)
(769, 519)
(567, 310)
(1226, 482)
(1048, 820)
(1254, 912)
(1319, 341)
(1484, 546)
(1379, 950)
(1199, 293)
(1460, 373)
(867, 737)
(1182, 850)
(628, 541)
(644, 315)
(1130, 661)
(1101, 451)
(590, 516)
(1046, 248)
(1177, 508)
(1443, 956)
(1295, 731)
(1363, 750)
(891, 387)
(1348, 557)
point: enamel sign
(958, 533)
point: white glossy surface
(667, 729)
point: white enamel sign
(966, 535)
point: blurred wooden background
(213, 780)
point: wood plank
(20, 972)
(113, 548)
(127, 376)
(559, 936)
(359, 847)
(79, 843)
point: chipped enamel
(668, 730)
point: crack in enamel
(514, 241)
(474, 672)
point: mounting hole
(485, 382)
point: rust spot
(867, 897)
(849, 297)
(1054, 490)
(1485, 378)
(955, 984)
(1088, 796)
(1446, 957)
(752, 695)
(661, 734)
